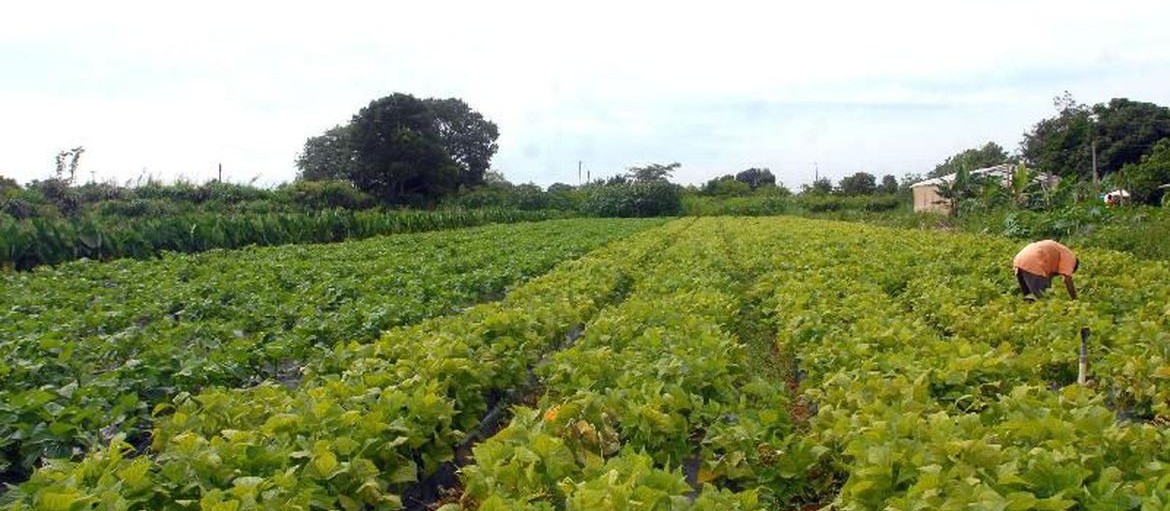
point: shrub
(1144, 179)
(639, 199)
(737, 206)
(318, 195)
(232, 193)
(490, 196)
(135, 208)
(98, 192)
(826, 203)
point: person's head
(1076, 264)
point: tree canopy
(987, 155)
(327, 156)
(756, 178)
(7, 183)
(1123, 130)
(860, 183)
(653, 172)
(1060, 144)
(405, 150)
(819, 186)
(726, 186)
(1144, 179)
(399, 156)
(469, 138)
(1126, 130)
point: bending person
(1038, 262)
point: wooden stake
(1083, 366)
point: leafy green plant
(369, 418)
(38, 241)
(634, 199)
(91, 348)
(725, 363)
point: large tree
(726, 186)
(1060, 144)
(653, 172)
(889, 185)
(469, 138)
(403, 149)
(399, 154)
(1126, 130)
(860, 183)
(756, 178)
(1123, 131)
(987, 155)
(327, 156)
(819, 186)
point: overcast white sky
(884, 87)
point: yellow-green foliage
(90, 348)
(725, 363)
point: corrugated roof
(1005, 169)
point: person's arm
(1068, 285)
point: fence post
(1083, 366)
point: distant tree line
(1124, 135)
(401, 150)
(744, 183)
(856, 184)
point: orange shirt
(1046, 258)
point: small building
(927, 198)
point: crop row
(938, 387)
(766, 363)
(28, 243)
(91, 348)
(358, 431)
(920, 380)
(672, 400)
(655, 385)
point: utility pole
(578, 172)
(220, 178)
(816, 172)
(92, 176)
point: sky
(172, 90)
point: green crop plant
(712, 363)
(92, 348)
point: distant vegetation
(1132, 143)
(400, 151)
(57, 198)
(714, 363)
(30, 243)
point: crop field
(705, 364)
(90, 349)
(28, 243)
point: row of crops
(28, 243)
(939, 388)
(901, 372)
(718, 363)
(360, 427)
(91, 350)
